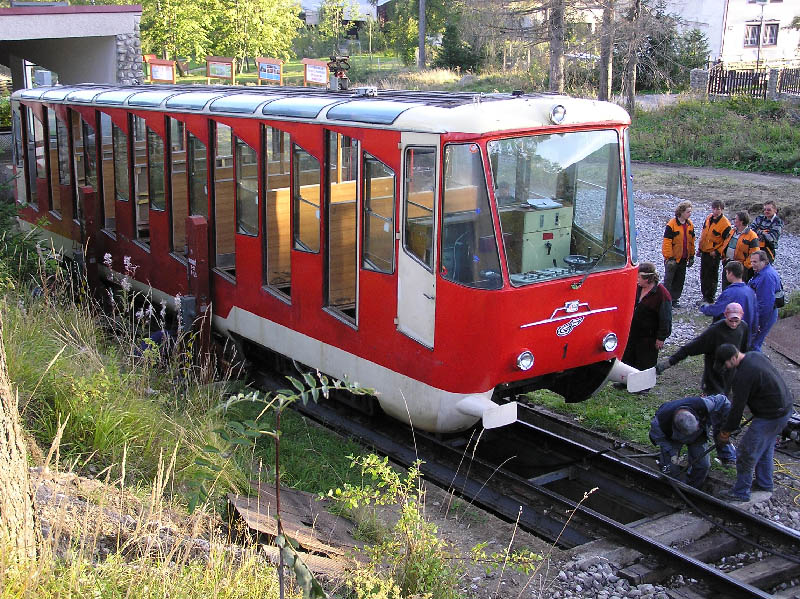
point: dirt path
(739, 189)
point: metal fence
(789, 82)
(751, 82)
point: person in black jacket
(758, 385)
(652, 320)
(732, 330)
(686, 422)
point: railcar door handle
(430, 297)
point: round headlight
(610, 342)
(557, 114)
(525, 360)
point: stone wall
(129, 58)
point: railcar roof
(426, 111)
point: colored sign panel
(269, 72)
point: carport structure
(98, 44)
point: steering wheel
(578, 261)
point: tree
(556, 37)
(455, 52)
(606, 51)
(402, 24)
(175, 28)
(333, 15)
(243, 28)
(17, 518)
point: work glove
(690, 261)
(722, 438)
(662, 365)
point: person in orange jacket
(711, 248)
(740, 245)
(678, 250)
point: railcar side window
(224, 223)
(121, 178)
(379, 198)
(78, 150)
(141, 180)
(178, 194)
(90, 147)
(62, 141)
(629, 198)
(560, 204)
(469, 249)
(20, 141)
(36, 154)
(155, 170)
(420, 182)
(109, 204)
(277, 208)
(52, 151)
(198, 176)
(246, 189)
(305, 200)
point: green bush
(740, 133)
(5, 111)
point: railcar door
(416, 286)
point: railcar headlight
(610, 342)
(525, 360)
(557, 114)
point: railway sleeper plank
(712, 547)
(643, 573)
(684, 593)
(790, 593)
(767, 572)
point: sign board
(220, 67)
(315, 71)
(270, 70)
(162, 71)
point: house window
(770, 34)
(751, 33)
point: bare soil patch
(739, 190)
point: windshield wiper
(577, 285)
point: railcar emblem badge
(566, 328)
(572, 306)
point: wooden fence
(750, 82)
(789, 82)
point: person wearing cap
(758, 385)
(686, 422)
(678, 250)
(768, 227)
(731, 330)
(765, 283)
(652, 320)
(711, 248)
(737, 292)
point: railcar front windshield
(559, 198)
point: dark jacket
(652, 316)
(706, 343)
(768, 231)
(759, 386)
(710, 410)
(743, 295)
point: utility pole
(422, 34)
(760, 34)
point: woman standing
(652, 320)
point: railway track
(585, 495)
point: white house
(364, 9)
(744, 30)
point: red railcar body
(396, 262)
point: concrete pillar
(698, 82)
(772, 84)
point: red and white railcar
(441, 248)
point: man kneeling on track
(758, 385)
(686, 422)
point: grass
(738, 133)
